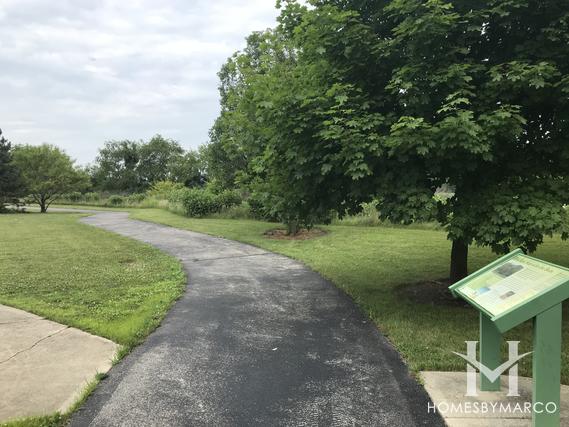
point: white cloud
(77, 73)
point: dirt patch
(431, 292)
(280, 234)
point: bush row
(197, 202)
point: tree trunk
(292, 228)
(43, 206)
(458, 261)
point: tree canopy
(115, 168)
(47, 173)
(349, 100)
(133, 166)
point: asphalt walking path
(257, 339)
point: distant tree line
(44, 173)
(132, 167)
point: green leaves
(10, 179)
(47, 172)
(518, 74)
(349, 100)
(517, 213)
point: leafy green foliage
(130, 166)
(75, 196)
(116, 200)
(157, 157)
(116, 167)
(229, 198)
(196, 202)
(187, 169)
(348, 100)
(10, 181)
(135, 198)
(163, 189)
(47, 173)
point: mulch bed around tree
(430, 292)
(280, 234)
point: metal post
(490, 356)
(547, 367)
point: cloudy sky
(76, 73)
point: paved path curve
(257, 339)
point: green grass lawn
(79, 275)
(372, 264)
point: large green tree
(130, 166)
(157, 157)
(188, 169)
(47, 173)
(237, 137)
(480, 95)
(356, 99)
(258, 141)
(115, 168)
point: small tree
(47, 172)
(10, 182)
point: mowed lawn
(76, 274)
(373, 265)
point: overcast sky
(76, 73)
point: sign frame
(546, 309)
(520, 313)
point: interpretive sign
(508, 292)
(512, 283)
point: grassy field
(82, 276)
(374, 265)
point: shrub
(92, 197)
(195, 202)
(76, 196)
(214, 186)
(115, 200)
(229, 198)
(163, 189)
(176, 197)
(199, 203)
(135, 199)
(241, 211)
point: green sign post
(508, 292)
